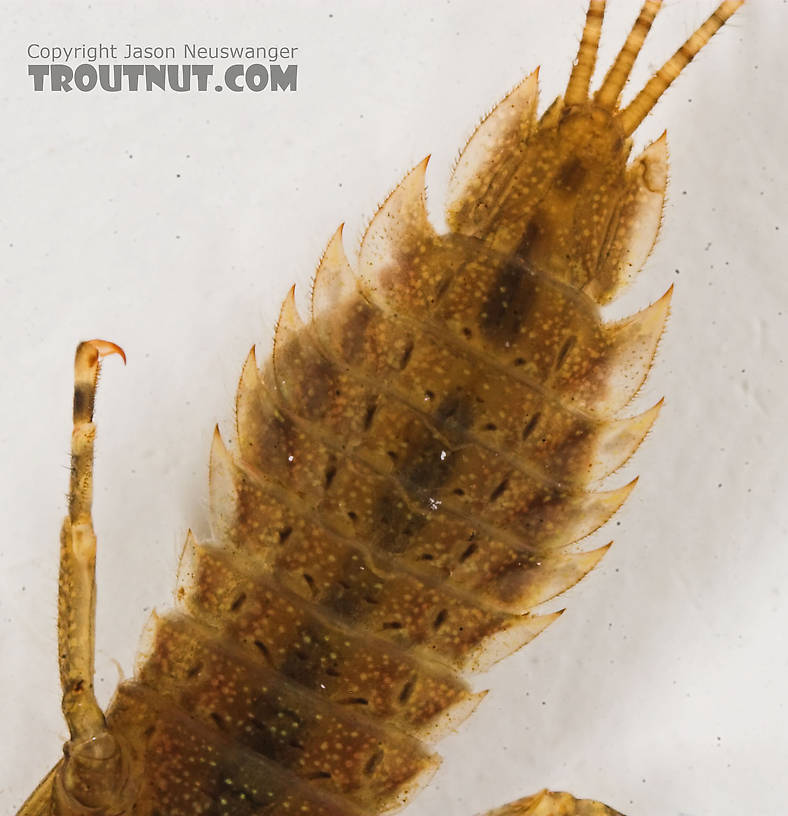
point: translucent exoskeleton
(452, 308)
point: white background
(173, 224)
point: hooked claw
(106, 347)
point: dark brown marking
(310, 581)
(405, 359)
(566, 347)
(407, 690)
(369, 416)
(571, 175)
(428, 465)
(194, 670)
(83, 401)
(263, 649)
(396, 522)
(468, 552)
(511, 297)
(454, 412)
(351, 596)
(498, 492)
(531, 424)
(373, 762)
(312, 658)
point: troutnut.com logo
(109, 67)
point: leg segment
(77, 584)
(94, 776)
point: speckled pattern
(413, 468)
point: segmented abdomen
(413, 468)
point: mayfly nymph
(412, 469)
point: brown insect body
(413, 467)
